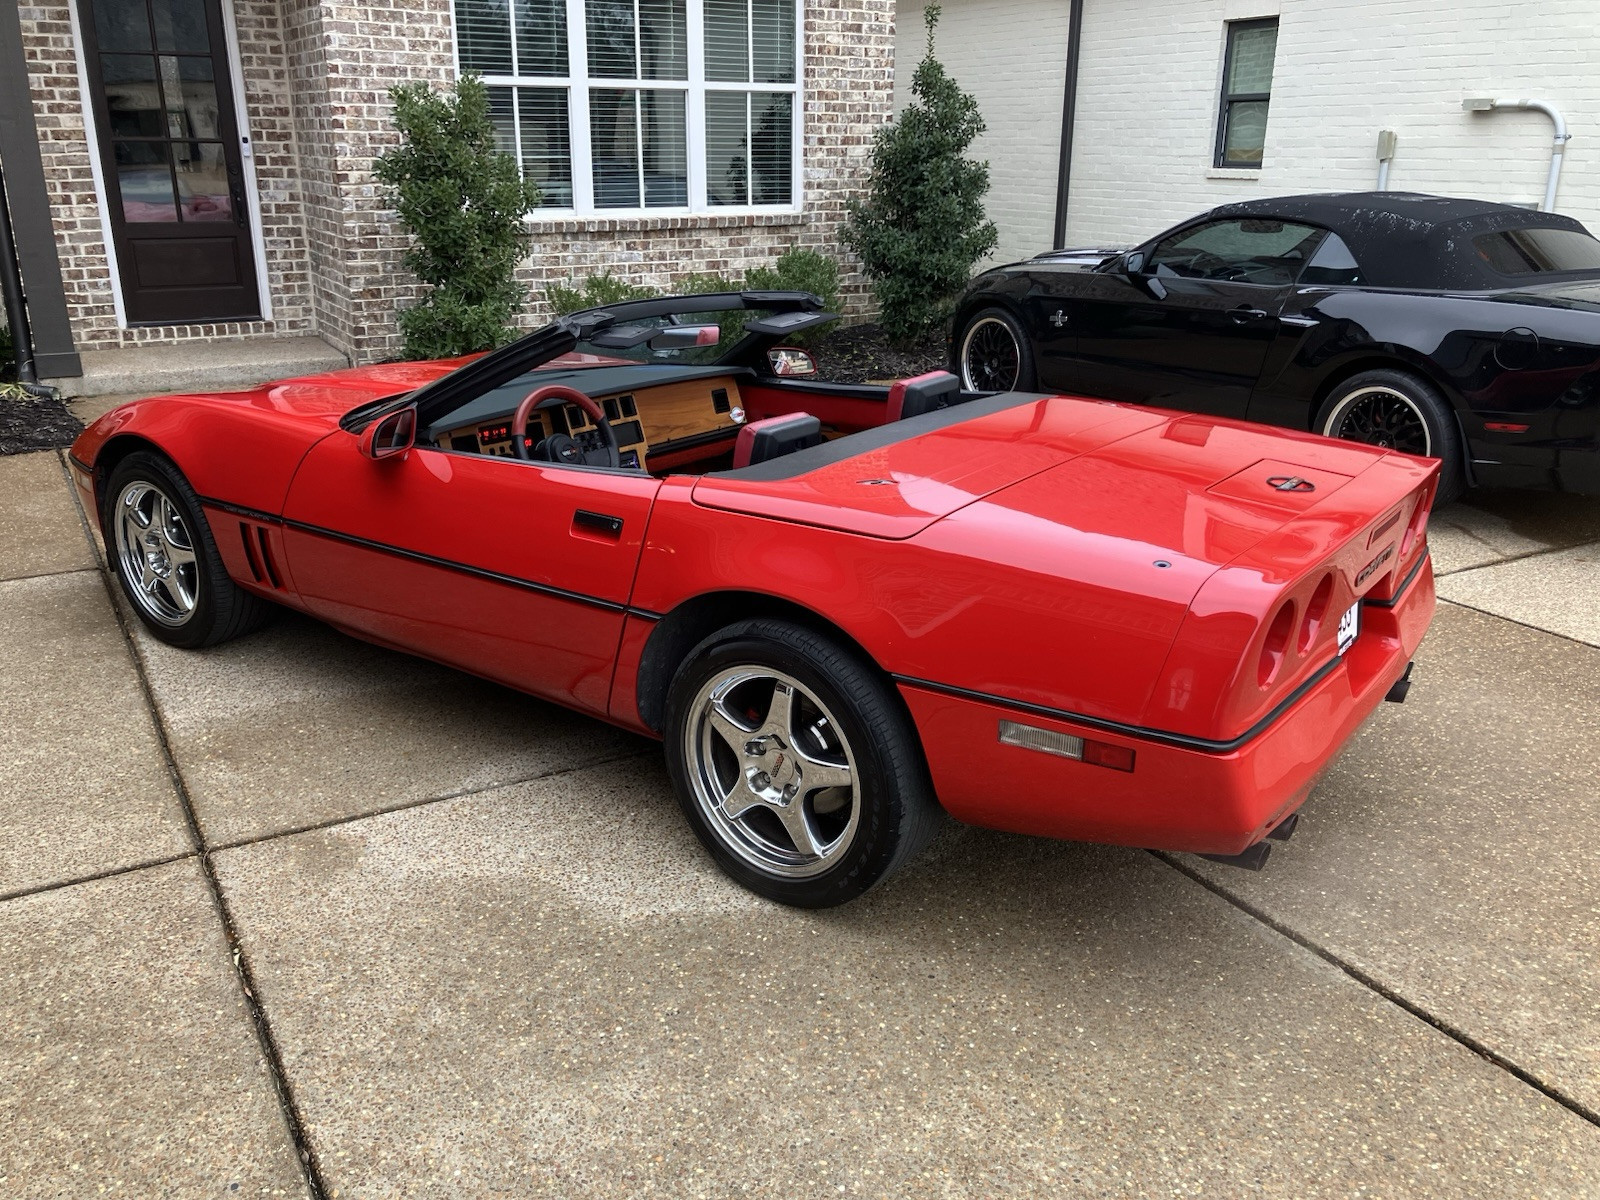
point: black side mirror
(1133, 266)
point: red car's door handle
(584, 521)
(1242, 315)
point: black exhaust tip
(1284, 829)
(1253, 858)
(1397, 694)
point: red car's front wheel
(163, 554)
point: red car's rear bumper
(1207, 800)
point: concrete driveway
(298, 916)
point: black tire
(1398, 410)
(194, 603)
(991, 349)
(847, 719)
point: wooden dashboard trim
(674, 415)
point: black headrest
(760, 441)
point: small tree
(922, 227)
(463, 202)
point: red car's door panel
(517, 571)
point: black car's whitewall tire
(163, 554)
(1398, 411)
(795, 765)
(993, 354)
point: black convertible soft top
(1404, 239)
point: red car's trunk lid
(898, 489)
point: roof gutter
(1069, 105)
(1558, 151)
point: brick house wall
(316, 79)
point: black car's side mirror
(1133, 266)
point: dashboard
(651, 418)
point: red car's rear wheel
(795, 765)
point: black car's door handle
(1242, 315)
(593, 522)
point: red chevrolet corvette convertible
(845, 610)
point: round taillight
(1316, 610)
(1276, 644)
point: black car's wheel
(992, 353)
(1398, 411)
(795, 765)
(166, 560)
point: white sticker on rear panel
(1349, 626)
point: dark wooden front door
(169, 145)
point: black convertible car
(1459, 329)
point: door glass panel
(133, 97)
(180, 25)
(202, 181)
(122, 25)
(145, 181)
(191, 97)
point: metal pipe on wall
(11, 291)
(1558, 150)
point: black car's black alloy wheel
(990, 356)
(1380, 416)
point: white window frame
(578, 84)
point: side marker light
(1066, 745)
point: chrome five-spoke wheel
(157, 553)
(1380, 416)
(771, 771)
(795, 764)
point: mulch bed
(861, 354)
(34, 423)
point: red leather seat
(774, 436)
(922, 393)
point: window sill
(639, 223)
(1233, 173)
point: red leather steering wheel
(560, 447)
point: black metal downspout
(1069, 105)
(16, 305)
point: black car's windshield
(1537, 251)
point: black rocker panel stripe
(432, 560)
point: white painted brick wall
(1011, 55)
(1151, 73)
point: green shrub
(464, 203)
(597, 291)
(922, 227)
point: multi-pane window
(642, 104)
(1246, 91)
